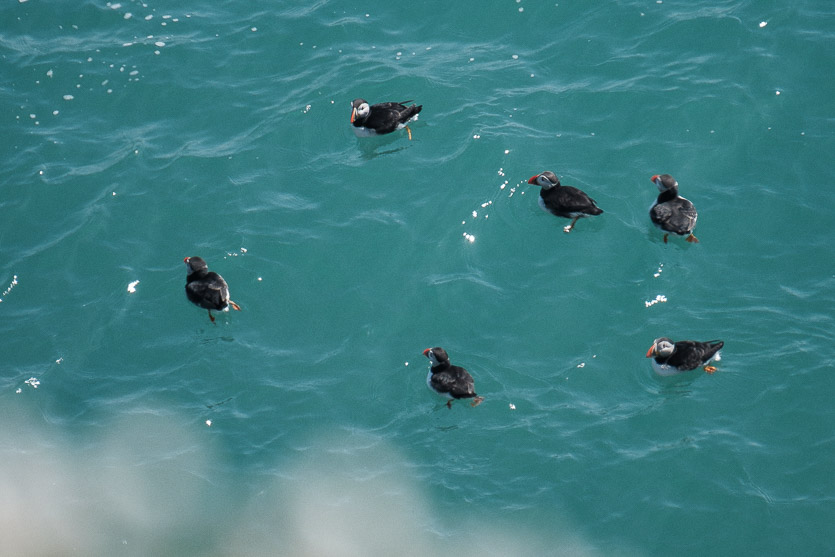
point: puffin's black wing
(385, 117)
(676, 215)
(455, 381)
(210, 292)
(573, 201)
(690, 354)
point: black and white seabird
(448, 380)
(670, 358)
(563, 201)
(206, 288)
(382, 118)
(671, 212)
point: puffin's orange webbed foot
(409, 132)
(570, 227)
(710, 369)
(692, 239)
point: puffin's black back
(568, 201)
(690, 354)
(454, 380)
(205, 288)
(210, 293)
(673, 213)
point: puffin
(447, 380)
(382, 118)
(563, 201)
(671, 358)
(206, 288)
(671, 212)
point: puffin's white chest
(664, 370)
(361, 131)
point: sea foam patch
(9, 289)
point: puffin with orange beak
(449, 381)
(672, 213)
(672, 358)
(382, 118)
(563, 201)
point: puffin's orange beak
(426, 352)
(653, 179)
(651, 351)
(185, 259)
(353, 115)
(533, 179)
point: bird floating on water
(382, 118)
(672, 213)
(452, 382)
(563, 201)
(671, 358)
(206, 288)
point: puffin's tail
(715, 346)
(411, 112)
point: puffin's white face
(432, 358)
(543, 181)
(663, 348)
(546, 180)
(361, 111)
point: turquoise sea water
(138, 133)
